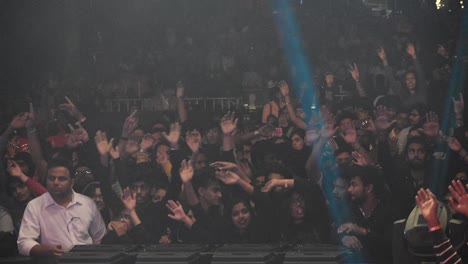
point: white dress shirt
(47, 223)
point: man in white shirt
(59, 219)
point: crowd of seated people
(335, 172)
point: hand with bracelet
(427, 203)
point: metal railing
(155, 104)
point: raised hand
(177, 211)
(354, 72)
(131, 122)
(77, 137)
(129, 199)
(70, 107)
(459, 201)
(284, 88)
(428, 204)
(382, 121)
(114, 153)
(102, 144)
(359, 159)
(19, 121)
(431, 125)
(228, 123)
(227, 177)
(458, 106)
(193, 140)
(186, 171)
(411, 50)
(382, 55)
(174, 134)
(454, 144)
(147, 142)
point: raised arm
(228, 125)
(428, 205)
(35, 145)
(355, 74)
(131, 122)
(420, 79)
(180, 102)
(186, 175)
(292, 115)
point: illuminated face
(343, 160)
(402, 120)
(410, 81)
(199, 162)
(416, 155)
(357, 191)
(240, 216)
(340, 189)
(142, 192)
(158, 194)
(330, 79)
(162, 154)
(346, 124)
(59, 182)
(98, 199)
(212, 136)
(20, 192)
(414, 117)
(297, 142)
(297, 207)
(300, 113)
(125, 218)
(211, 195)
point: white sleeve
(97, 229)
(6, 223)
(30, 230)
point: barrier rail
(158, 104)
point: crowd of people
(337, 171)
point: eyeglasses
(82, 172)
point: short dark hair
(368, 175)
(204, 178)
(60, 162)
